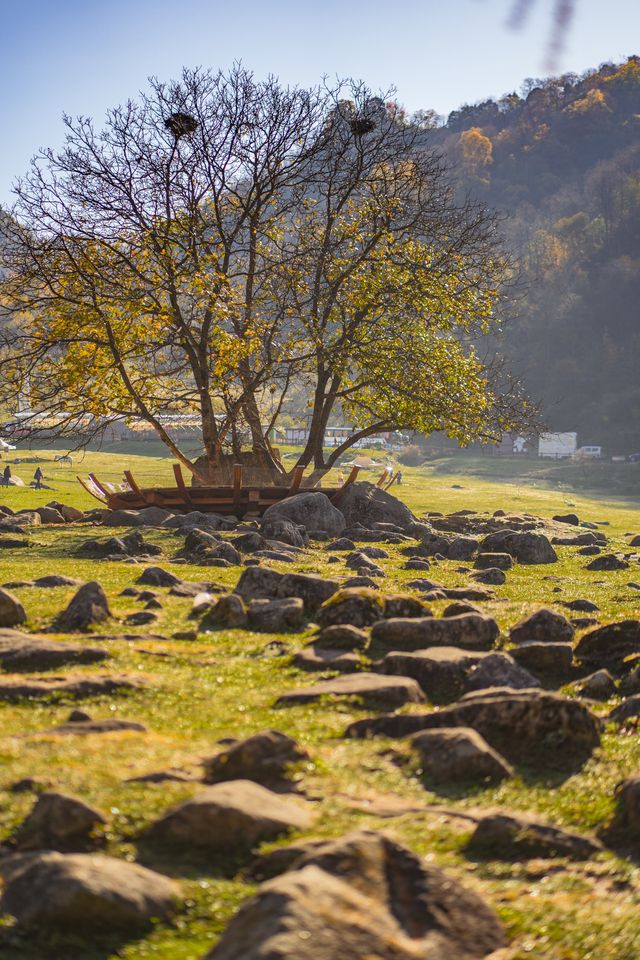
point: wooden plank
(237, 484)
(340, 491)
(105, 493)
(298, 473)
(89, 490)
(182, 487)
(383, 479)
(392, 480)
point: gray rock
(84, 892)
(60, 822)
(276, 616)
(511, 836)
(624, 829)
(530, 727)
(354, 606)
(598, 686)
(441, 671)
(228, 818)
(458, 755)
(610, 645)
(543, 626)
(154, 516)
(56, 580)
(524, 546)
(11, 610)
(491, 575)
(471, 631)
(343, 544)
(228, 613)
(499, 670)
(370, 688)
(200, 521)
(311, 589)
(258, 583)
(626, 710)
(383, 902)
(404, 605)
(544, 659)
(85, 728)
(49, 515)
(265, 758)
(316, 657)
(157, 577)
(342, 636)
(279, 528)
(364, 503)
(122, 518)
(312, 510)
(28, 689)
(88, 607)
(487, 561)
(608, 561)
(19, 651)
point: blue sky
(83, 56)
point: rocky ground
(349, 732)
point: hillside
(562, 162)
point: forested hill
(563, 162)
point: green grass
(224, 684)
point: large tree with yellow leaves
(221, 241)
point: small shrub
(411, 456)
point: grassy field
(225, 684)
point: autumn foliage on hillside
(562, 161)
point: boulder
(312, 510)
(19, 651)
(570, 518)
(544, 659)
(462, 548)
(491, 575)
(364, 503)
(488, 561)
(626, 710)
(228, 818)
(52, 580)
(543, 626)
(258, 583)
(122, 518)
(316, 657)
(441, 671)
(12, 690)
(361, 896)
(610, 645)
(624, 828)
(11, 610)
(499, 670)
(524, 546)
(154, 516)
(341, 545)
(608, 561)
(263, 758)
(59, 822)
(370, 688)
(404, 605)
(528, 727)
(354, 606)
(157, 577)
(511, 836)
(342, 636)
(49, 515)
(311, 589)
(228, 613)
(471, 631)
(276, 616)
(598, 686)
(200, 521)
(285, 531)
(85, 892)
(84, 728)
(458, 755)
(88, 607)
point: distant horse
(65, 458)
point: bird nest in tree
(181, 124)
(362, 125)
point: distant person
(38, 477)
(399, 478)
(6, 475)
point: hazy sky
(83, 56)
